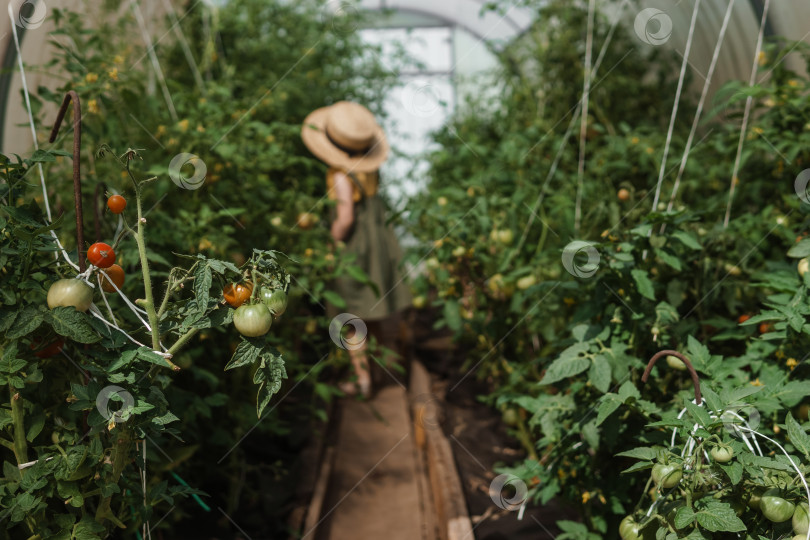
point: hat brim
(313, 133)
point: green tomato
(276, 301)
(801, 520)
(774, 507)
(666, 476)
(511, 417)
(676, 363)
(722, 454)
(70, 292)
(252, 320)
(630, 529)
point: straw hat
(346, 135)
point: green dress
(378, 253)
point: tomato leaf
(335, 299)
(717, 516)
(202, 285)
(643, 283)
(68, 322)
(247, 352)
(28, 320)
(798, 436)
(607, 406)
(800, 250)
(599, 373)
(734, 471)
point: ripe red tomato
(116, 204)
(623, 195)
(764, 328)
(237, 294)
(49, 350)
(116, 274)
(742, 318)
(101, 255)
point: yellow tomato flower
(118, 59)
(113, 74)
(200, 128)
(586, 496)
(569, 301)
(92, 106)
(762, 58)
(792, 363)
(649, 150)
(756, 382)
(635, 140)
(91, 78)
(183, 124)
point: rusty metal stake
(695, 379)
(77, 179)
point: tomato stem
(182, 340)
(147, 280)
(18, 419)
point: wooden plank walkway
(377, 483)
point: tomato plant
(83, 477)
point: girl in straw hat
(346, 137)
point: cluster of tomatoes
(75, 292)
(775, 504)
(253, 319)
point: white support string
(147, 39)
(707, 83)
(741, 430)
(748, 102)
(583, 125)
(568, 131)
(34, 137)
(675, 106)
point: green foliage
(563, 339)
